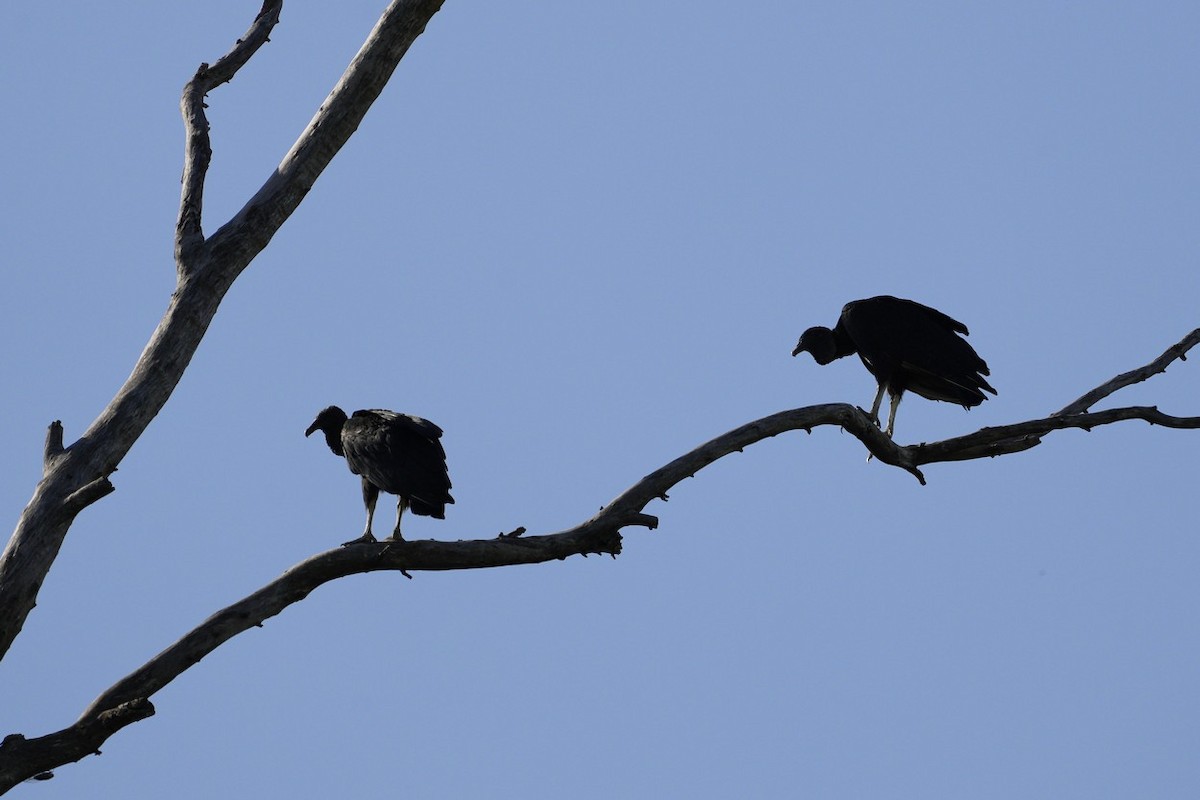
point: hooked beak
(311, 428)
(799, 349)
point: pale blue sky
(583, 238)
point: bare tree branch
(129, 699)
(1005, 439)
(336, 120)
(206, 270)
(77, 475)
(24, 759)
(1160, 364)
(189, 235)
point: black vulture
(395, 453)
(907, 347)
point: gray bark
(77, 475)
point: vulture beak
(799, 349)
(311, 428)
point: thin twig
(1176, 351)
(189, 234)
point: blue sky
(583, 239)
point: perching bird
(907, 347)
(395, 453)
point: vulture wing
(912, 346)
(401, 455)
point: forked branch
(189, 234)
(76, 475)
(1176, 351)
(129, 699)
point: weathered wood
(206, 269)
(128, 700)
(77, 475)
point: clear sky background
(583, 238)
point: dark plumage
(907, 347)
(395, 453)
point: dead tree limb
(76, 475)
(1176, 351)
(128, 700)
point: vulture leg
(370, 495)
(875, 405)
(400, 506)
(892, 414)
